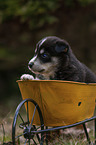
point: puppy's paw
(27, 77)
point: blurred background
(24, 22)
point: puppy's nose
(30, 64)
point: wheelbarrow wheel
(22, 128)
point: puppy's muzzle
(30, 64)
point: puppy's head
(49, 53)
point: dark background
(24, 22)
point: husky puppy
(54, 60)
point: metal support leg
(46, 137)
(95, 130)
(86, 133)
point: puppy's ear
(61, 48)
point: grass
(67, 137)
(75, 138)
(7, 110)
(64, 139)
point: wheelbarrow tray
(61, 102)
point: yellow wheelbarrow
(49, 103)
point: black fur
(69, 67)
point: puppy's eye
(45, 55)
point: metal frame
(42, 131)
(73, 125)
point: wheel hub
(27, 132)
